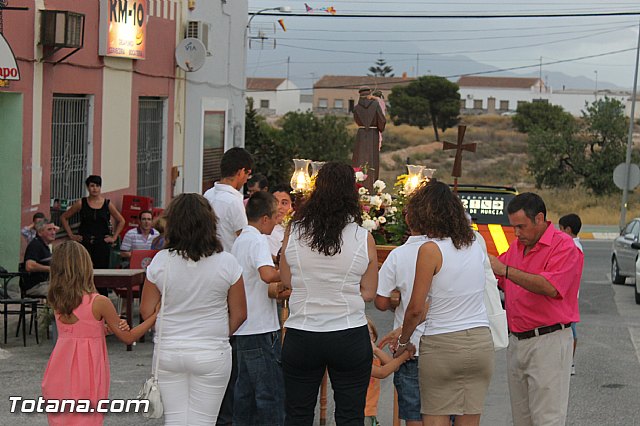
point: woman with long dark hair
(204, 303)
(330, 263)
(456, 349)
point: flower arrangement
(382, 214)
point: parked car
(625, 252)
(637, 284)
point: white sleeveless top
(457, 290)
(326, 289)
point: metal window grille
(150, 141)
(69, 147)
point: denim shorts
(407, 384)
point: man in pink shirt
(540, 275)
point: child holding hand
(383, 365)
(79, 364)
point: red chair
(140, 259)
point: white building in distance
(274, 96)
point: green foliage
(542, 116)
(428, 100)
(302, 135)
(319, 139)
(272, 155)
(565, 153)
(605, 139)
(381, 69)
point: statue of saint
(369, 117)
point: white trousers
(539, 372)
(192, 383)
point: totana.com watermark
(41, 405)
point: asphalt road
(603, 392)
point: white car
(637, 283)
(625, 252)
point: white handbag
(497, 315)
(149, 390)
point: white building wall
(471, 94)
(288, 96)
(571, 101)
(220, 82)
(575, 102)
(270, 96)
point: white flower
(375, 201)
(360, 177)
(369, 225)
(379, 185)
(362, 190)
(392, 210)
(382, 220)
(386, 198)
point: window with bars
(69, 149)
(151, 134)
(212, 147)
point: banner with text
(123, 28)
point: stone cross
(459, 147)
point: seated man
(139, 238)
(37, 258)
(29, 231)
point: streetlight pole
(596, 92)
(625, 190)
(283, 9)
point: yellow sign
(123, 28)
(4, 83)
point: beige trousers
(539, 371)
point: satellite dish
(190, 54)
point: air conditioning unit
(61, 28)
(199, 30)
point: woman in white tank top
(456, 351)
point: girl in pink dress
(79, 365)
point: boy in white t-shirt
(259, 388)
(398, 272)
(571, 224)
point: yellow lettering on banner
(499, 239)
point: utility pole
(417, 65)
(625, 190)
(596, 93)
(288, 63)
(540, 75)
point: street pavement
(603, 392)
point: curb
(598, 235)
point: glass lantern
(300, 181)
(316, 166)
(414, 178)
(428, 174)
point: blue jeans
(258, 397)
(408, 387)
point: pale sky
(326, 45)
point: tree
(271, 154)
(564, 152)
(541, 116)
(428, 100)
(302, 135)
(381, 69)
(605, 143)
(319, 139)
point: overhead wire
(536, 65)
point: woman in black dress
(95, 216)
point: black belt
(540, 331)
